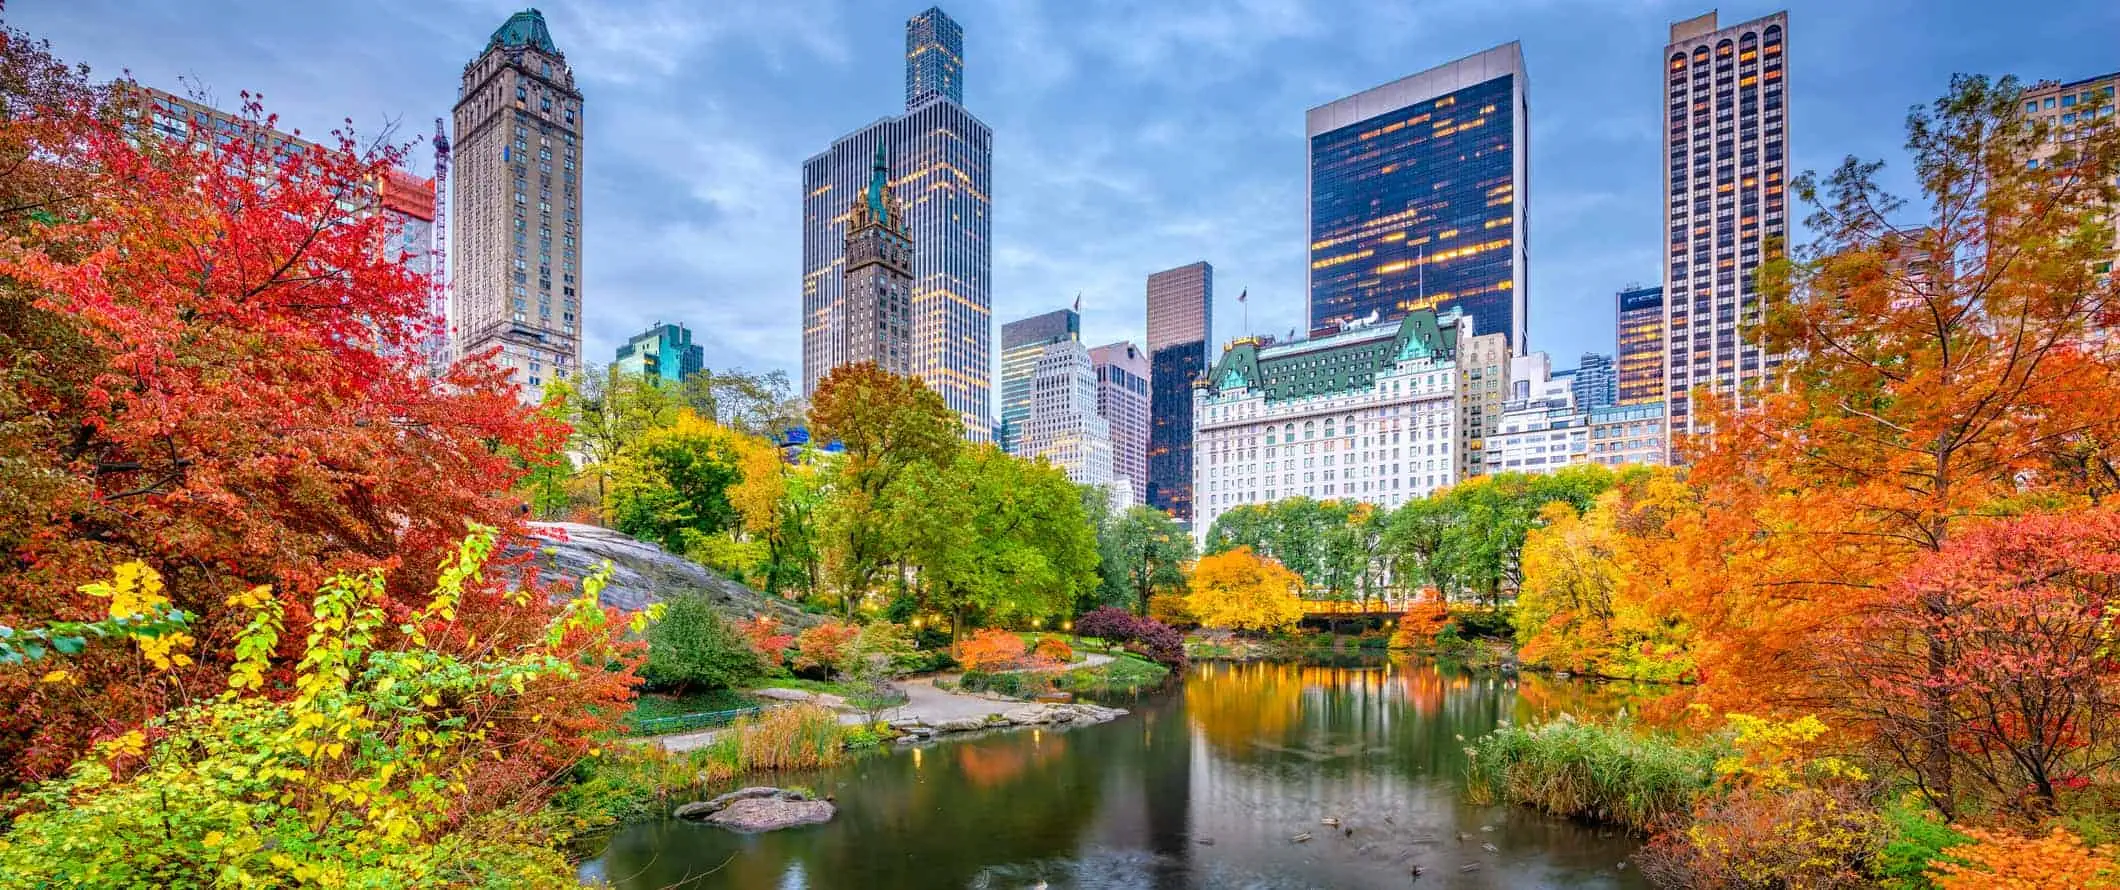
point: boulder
(643, 573)
(771, 814)
(1031, 715)
(961, 724)
(701, 809)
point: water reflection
(1207, 786)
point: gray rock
(961, 724)
(643, 573)
(704, 808)
(778, 694)
(1029, 716)
(772, 814)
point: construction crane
(438, 301)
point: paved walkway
(923, 701)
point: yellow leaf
(431, 700)
(214, 839)
(56, 677)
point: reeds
(1605, 772)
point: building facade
(1624, 435)
(2069, 108)
(1726, 142)
(1482, 386)
(1023, 345)
(665, 352)
(878, 283)
(1417, 197)
(1364, 414)
(1123, 401)
(941, 162)
(1593, 382)
(1180, 304)
(1540, 435)
(1050, 397)
(1639, 363)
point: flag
(1242, 294)
(1078, 301)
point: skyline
(692, 190)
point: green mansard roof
(1347, 361)
(526, 28)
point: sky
(1129, 135)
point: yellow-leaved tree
(1240, 590)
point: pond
(1206, 785)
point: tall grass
(798, 737)
(1602, 772)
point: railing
(689, 722)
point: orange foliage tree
(2002, 861)
(991, 649)
(1935, 371)
(1237, 589)
(207, 364)
(824, 646)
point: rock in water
(643, 573)
(757, 814)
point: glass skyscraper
(1181, 304)
(941, 161)
(1023, 342)
(1640, 361)
(665, 351)
(1417, 197)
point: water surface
(1206, 785)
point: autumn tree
(1942, 364)
(778, 500)
(763, 405)
(609, 410)
(672, 486)
(211, 367)
(1595, 596)
(1240, 590)
(887, 424)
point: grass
(1604, 772)
(1125, 672)
(797, 737)
(651, 706)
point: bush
(1107, 623)
(824, 646)
(691, 647)
(1160, 643)
(1915, 840)
(1053, 650)
(2002, 861)
(1418, 627)
(1755, 837)
(990, 650)
(887, 641)
(1604, 772)
(767, 639)
(1484, 624)
(795, 737)
(1010, 683)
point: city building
(940, 161)
(1180, 304)
(1367, 413)
(665, 352)
(516, 204)
(878, 285)
(1639, 365)
(406, 201)
(1023, 343)
(1418, 197)
(1049, 397)
(1593, 382)
(1540, 430)
(1482, 387)
(1726, 142)
(1621, 435)
(1123, 402)
(2068, 108)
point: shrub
(1605, 772)
(1754, 837)
(824, 646)
(1916, 839)
(990, 650)
(1053, 650)
(1160, 643)
(691, 647)
(767, 639)
(1013, 684)
(884, 640)
(1417, 628)
(1488, 624)
(1107, 623)
(2002, 861)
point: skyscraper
(2069, 108)
(1123, 401)
(1418, 197)
(940, 161)
(1180, 307)
(665, 352)
(1023, 342)
(878, 282)
(1593, 382)
(1639, 363)
(1726, 141)
(1049, 397)
(518, 207)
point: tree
(762, 405)
(1940, 369)
(778, 500)
(886, 424)
(1596, 591)
(692, 647)
(1144, 553)
(672, 486)
(1238, 589)
(609, 411)
(995, 537)
(208, 365)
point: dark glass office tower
(934, 58)
(1640, 337)
(1180, 322)
(1417, 197)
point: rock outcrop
(758, 809)
(915, 729)
(643, 573)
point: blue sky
(1129, 135)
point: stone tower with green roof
(517, 207)
(878, 280)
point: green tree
(887, 425)
(1144, 552)
(672, 486)
(763, 405)
(995, 538)
(609, 411)
(693, 647)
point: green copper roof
(1336, 363)
(879, 179)
(526, 28)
